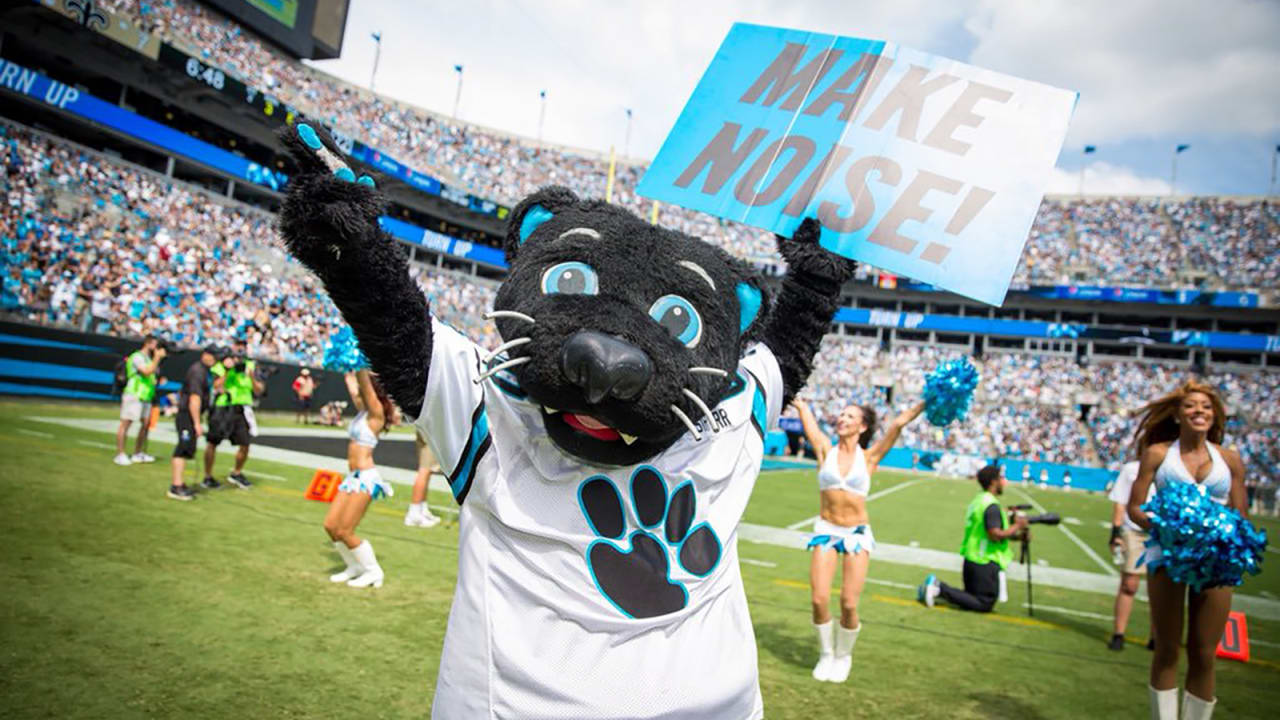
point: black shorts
(304, 403)
(228, 423)
(186, 447)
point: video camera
(1049, 518)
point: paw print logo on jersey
(634, 571)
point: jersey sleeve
(761, 364)
(453, 419)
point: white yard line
(1107, 567)
(1069, 611)
(91, 443)
(810, 521)
(35, 433)
(268, 476)
(758, 563)
(872, 496)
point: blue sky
(1151, 73)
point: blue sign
(439, 243)
(64, 97)
(914, 163)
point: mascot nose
(605, 365)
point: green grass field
(120, 603)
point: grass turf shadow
(781, 641)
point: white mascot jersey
(544, 622)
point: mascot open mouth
(594, 439)
(596, 428)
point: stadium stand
(1114, 240)
(94, 242)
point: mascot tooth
(602, 457)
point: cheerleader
(1178, 440)
(363, 484)
(843, 529)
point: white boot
(353, 567)
(845, 638)
(1164, 703)
(826, 643)
(372, 575)
(1193, 708)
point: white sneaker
(421, 519)
(350, 573)
(122, 459)
(369, 578)
(142, 458)
(822, 671)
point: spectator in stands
(142, 370)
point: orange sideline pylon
(1235, 638)
(324, 485)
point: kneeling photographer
(985, 548)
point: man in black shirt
(191, 403)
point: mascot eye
(679, 318)
(570, 278)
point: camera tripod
(1025, 557)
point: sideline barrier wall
(1082, 477)
(56, 363)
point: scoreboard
(306, 28)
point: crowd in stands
(108, 247)
(115, 249)
(1103, 241)
(112, 248)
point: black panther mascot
(602, 455)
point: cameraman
(985, 549)
(142, 370)
(191, 404)
(236, 383)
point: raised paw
(315, 152)
(637, 581)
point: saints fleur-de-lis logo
(87, 14)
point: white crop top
(359, 431)
(1172, 469)
(858, 481)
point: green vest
(237, 387)
(140, 386)
(977, 548)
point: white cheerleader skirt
(845, 540)
(366, 481)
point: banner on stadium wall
(437, 242)
(1059, 331)
(35, 85)
(1225, 298)
(101, 20)
(913, 163)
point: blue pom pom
(342, 353)
(1202, 543)
(948, 390)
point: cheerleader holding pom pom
(1201, 541)
(363, 484)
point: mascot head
(625, 333)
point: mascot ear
(531, 213)
(752, 307)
